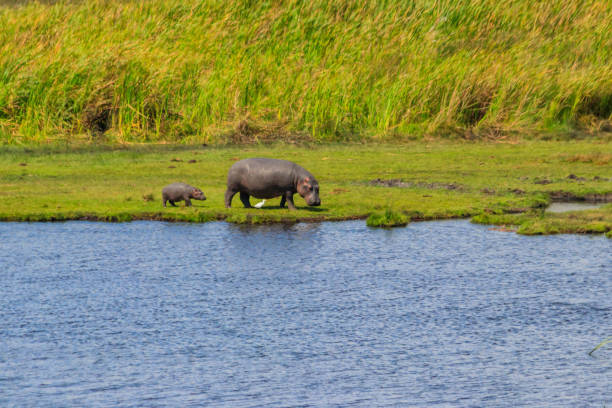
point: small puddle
(561, 207)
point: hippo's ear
(307, 179)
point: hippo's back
(261, 177)
(261, 164)
(176, 189)
(260, 168)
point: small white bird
(260, 204)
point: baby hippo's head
(197, 194)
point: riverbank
(502, 184)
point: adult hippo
(267, 178)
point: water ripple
(306, 315)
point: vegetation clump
(537, 222)
(387, 219)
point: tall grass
(329, 70)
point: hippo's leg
(283, 199)
(172, 203)
(229, 194)
(244, 197)
(165, 202)
(289, 197)
(187, 202)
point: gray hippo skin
(267, 178)
(179, 192)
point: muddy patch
(571, 178)
(563, 201)
(419, 184)
(561, 207)
(543, 181)
(574, 177)
(567, 197)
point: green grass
(603, 343)
(541, 223)
(224, 71)
(387, 219)
(495, 183)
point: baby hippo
(179, 192)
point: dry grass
(598, 158)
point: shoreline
(253, 220)
(499, 184)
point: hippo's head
(308, 188)
(197, 194)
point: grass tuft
(603, 343)
(388, 219)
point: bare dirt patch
(565, 196)
(419, 184)
(543, 181)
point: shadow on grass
(277, 207)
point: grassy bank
(217, 71)
(497, 183)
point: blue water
(437, 314)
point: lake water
(437, 314)
(561, 207)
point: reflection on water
(331, 314)
(572, 206)
(275, 228)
